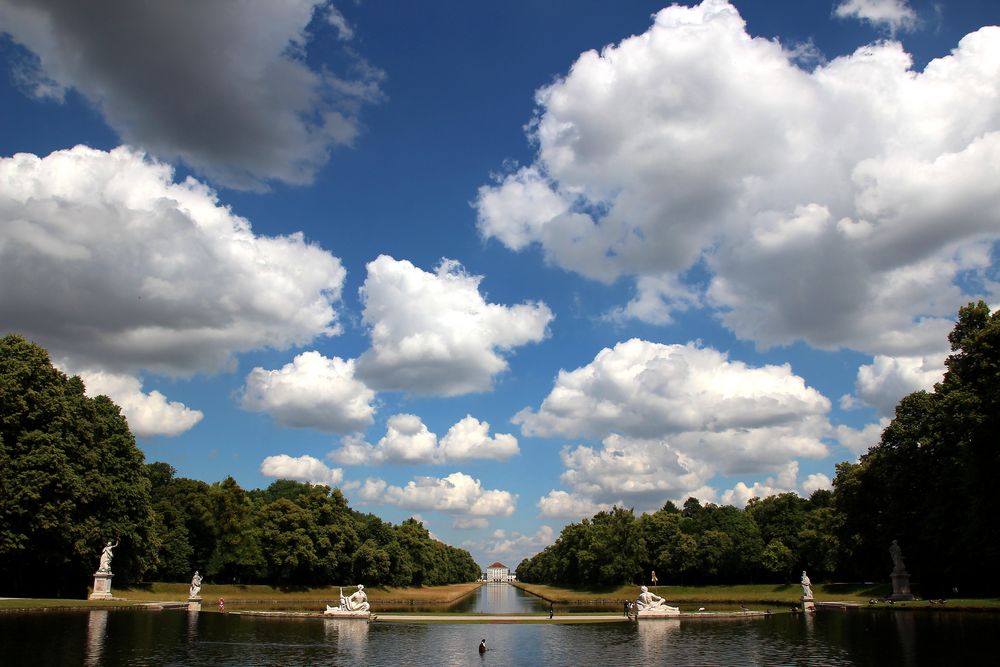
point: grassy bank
(236, 594)
(753, 595)
(40, 604)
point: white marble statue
(106, 555)
(195, 585)
(651, 604)
(648, 600)
(806, 585)
(354, 604)
(358, 601)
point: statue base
(900, 586)
(102, 586)
(194, 603)
(337, 612)
(658, 612)
(808, 604)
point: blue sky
(500, 265)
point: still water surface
(831, 637)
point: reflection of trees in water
(97, 630)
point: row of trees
(698, 544)
(71, 476)
(290, 534)
(928, 483)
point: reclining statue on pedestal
(357, 601)
(651, 603)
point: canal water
(830, 637)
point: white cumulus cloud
(839, 205)
(301, 468)
(815, 482)
(895, 15)
(139, 272)
(558, 504)
(470, 439)
(671, 417)
(882, 383)
(859, 441)
(312, 391)
(515, 546)
(148, 413)
(408, 440)
(434, 333)
(647, 390)
(784, 482)
(223, 85)
(456, 494)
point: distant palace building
(498, 572)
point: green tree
(371, 563)
(286, 541)
(237, 557)
(780, 517)
(778, 560)
(71, 477)
(184, 520)
(929, 481)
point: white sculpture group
(651, 605)
(354, 605)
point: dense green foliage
(928, 483)
(72, 477)
(699, 544)
(290, 534)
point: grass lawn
(179, 592)
(235, 595)
(750, 594)
(59, 603)
(754, 596)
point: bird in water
(482, 646)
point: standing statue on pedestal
(195, 585)
(106, 555)
(808, 604)
(898, 567)
(900, 577)
(806, 585)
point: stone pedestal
(344, 613)
(808, 604)
(194, 603)
(900, 586)
(102, 586)
(662, 611)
